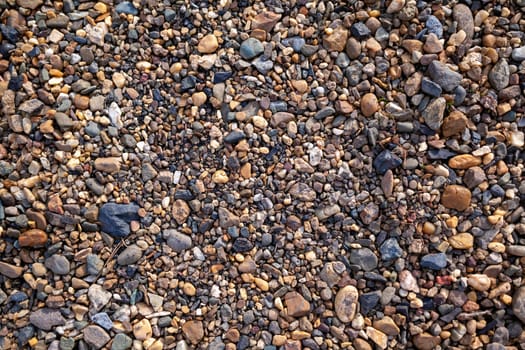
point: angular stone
(436, 261)
(142, 329)
(378, 337)
(58, 264)
(227, 218)
(115, 218)
(345, 305)
(499, 75)
(336, 40)
(29, 4)
(108, 165)
(208, 44)
(32, 238)
(456, 197)
(31, 107)
(408, 281)
(433, 114)
(180, 211)
(426, 341)
(474, 176)
(302, 192)
(461, 241)
(444, 76)
(387, 326)
(296, 304)
(479, 282)
(265, 20)
(281, 118)
(364, 258)
(454, 124)
(463, 16)
(194, 331)
(98, 297)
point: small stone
(193, 331)
(463, 16)
(115, 218)
(387, 183)
(31, 107)
(32, 238)
(345, 305)
(378, 337)
(29, 4)
(479, 282)
(121, 342)
(408, 281)
(518, 304)
(430, 88)
(361, 344)
(433, 114)
(425, 341)
(98, 297)
(96, 336)
(64, 121)
(46, 319)
(461, 241)
(386, 160)
(456, 197)
(369, 104)
(516, 250)
(444, 76)
(387, 326)
(10, 271)
(296, 304)
(108, 165)
(360, 31)
(336, 39)
(127, 7)
(130, 255)
(208, 44)
(148, 172)
(499, 75)
(177, 241)
(474, 176)
(119, 80)
(390, 250)
(395, 6)
(94, 264)
(142, 330)
(353, 48)
(281, 118)
(435, 261)
(227, 219)
(464, 161)
(242, 245)
(433, 25)
(103, 320)
(454, 124)
(58, 264)
(220, 177)
(96, 103)
(251, 48)
(81, 102)
(518, 54)
(180, 211)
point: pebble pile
(274, 175)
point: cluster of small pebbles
(235, 174)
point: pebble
(46, 319)
(251, 48)
(142, 330)
(385, 161)
(130, 255)
(461, 241)
(435, 261)
(433, 114)
(442, 75)
(345, 304)
(193, 331)
(96, 336)
(115, 218)
(365, 258)
(369, 105)
(456, 197)
(455, 123)
(499, 75)
(59, 264)
(32, 238)
(176, 240)
(518, 304)
(98, 297)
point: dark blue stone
(234, 137)
(115, 218)
(360, 31)
(220, 77)
(242, 245)
(434, 26)
(441, 153)
(127, 8)
(169, 15)
(188, 83)
(9, 33)
(430, 88)
(368, 301)
(390, 250)
(386, 160)
(435, 261)
(497, 191)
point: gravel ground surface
(273, 174)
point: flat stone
(474, 176)
(64, 121)
(130, 255)
(193, 331)
(227, 219)
(31, 107)
(127, 7)
(454, 124)
(499, 75)
(251, 48)
(265, 20)
(378, 337)
(121, 342)
(464, 161)
(516, 250)
(115, 218)
(456, 197)
(296, 304)
(98, 297)
(177, 241)
(59, 264)
(46, 319)
(108, 165)
(180, 211)
(436, 261)
(364, 258)
(387, 326)
(103, 320)
(345, 305)
(96, 336)
(461, 241)
(444, 76)
(433, 114)
(29, 4)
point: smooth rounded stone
(220, 177)
(130, 255)
(127, 7)
(432, 44)
(103, 320)
(386, 160)
(499, 75)
(180, 211)
(98, 297)
(353, 48)
(435, 261)
(29, 4)
(518, 54)
(46, 319)
(109, 165)
(251, 48)
(234, 137)
(115, 218)
(176, 240)
(444, 76)
(455, 123)
(426, 341)
(32, 238)
(479, 282)
(67, 343)
(142, 329)
(387, 183)
(433, 114)
(430, 88)
(324, 113)
(335, 39)
(433, 25)
(193, 331)
(364, 258)
(516, 250)
(518, 304)
(474, 176)
(456, 197)
(390, 250)
(208, 44)
(464, 161)
(92, 129)
(121, 342)
(345, 304)
(96, 336)
(461, 241)
(128, 141)
(361, 344)
(369, 104)
(58, 264)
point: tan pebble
(369, 104)
(101, 7)
(461, 241)
(189, 289)
(194, 331)
(452, 222)
(300, 85)
(496, 247)
(456, 197)
(199, 98)
(259, 122)
(108, 165)
(118, 79)
(464, 161)
(142, 330)
(429, 228)
(479, 282)
(220, 177)
(246, 171)
(208, 44)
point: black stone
(242, 245)
(234, 137)
(368, 301)
(115, 218)
(386, 160)
(360, 31)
